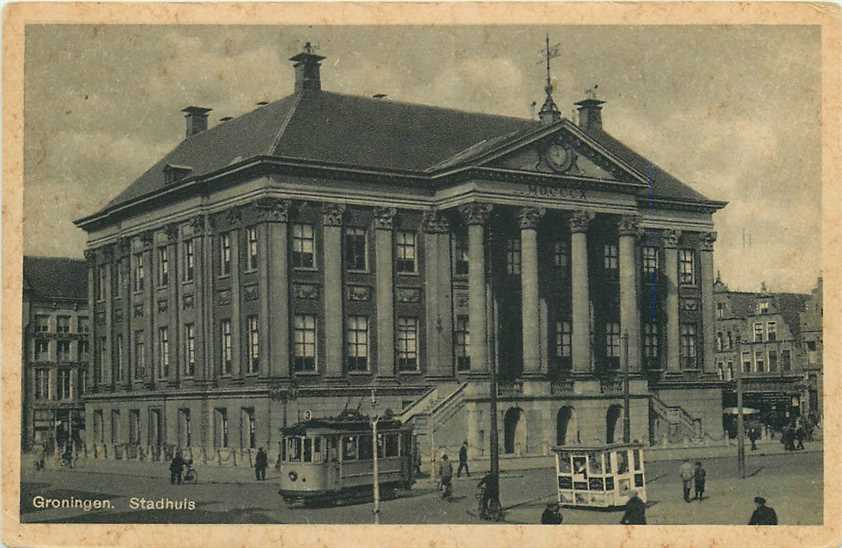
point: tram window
(564, 463)
(380, 445)
(637, 459)
(622, 462)
(595, 463)
(607, 463)
(317, 450)
(294, 449)
(308, 450)
(333, 448)
(365, 448)
(284, 450)
(349, 449)
(392, 445)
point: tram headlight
(293, 476)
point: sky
(734, 111)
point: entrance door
(613, 428)
(514, 426)
(566, 426)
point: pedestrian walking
(463, 461)
(261, 462)
(176, 466)
(687, 474)
(763, 515)
(445, 477)
(799, 437)
(551, 515)
(416, 458)
(753, 435)
(635, 513)
(488, 491)
(699, 476)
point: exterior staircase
(681, 425)
(432, 411)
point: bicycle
(190, 475)
(493, 510)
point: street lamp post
(741, 435)
(492, 435)
(374, 420)
(626, 395)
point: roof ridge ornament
(549, 113)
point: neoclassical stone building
(295, 257)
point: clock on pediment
(559, 156)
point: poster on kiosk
(600, 476)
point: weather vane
(546, 54)
(549, 111)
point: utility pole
(374, 420)
(626, 395)
(741, 435)
(492, 435)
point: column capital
(332, 214)
(475, 213)
(233, 216)
(147, 237)
(530, 217)
(90, 256)
(629, 225)
(434, 222)
(384, 217)
(580, 220)
(273, 210)
(107, 253)
(124, 245)
(171, 230)
(671, 236)
(706, 240)
(200, 224)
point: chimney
(307, 67)
(197, 119)
(590, 113)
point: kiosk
(599, 476)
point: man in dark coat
(176, 466)
(635, 511)
(261, 461)
(763, 515)
(463, 461)
(699, 481)
(551, 515)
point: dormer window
(173, 173)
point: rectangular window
(759, 364)
(102, 282)
(84, 324)
(189, 260)
(720, 311)
(138, 272)
(63, 324)
(43, 324)
(225, 254)
(64, 387)
(248, 428)
(719, 341)
(63, 351)
(611, 258)
(686, 267)
(407, 344)
(220, 427)
(163, 267)
(773, 360)
(225, 329)
(513, 256)
(563, 340)
(786, 360)
(758, 332)
(251, 237)
(163, 353)
(303, 246)
(729, 372)
(746, 362)
(118, 357)
(139, 356)
(357, 337)
(461, 256)
(650, 340)
(305, 343)
(650, 263)
(42, 351)
(42, 384)
(771, 331)
(406, 252)
(462, 336)
(688, 345)
(254, 344)
(189, 350)
(185, 428)
(561, 254)
(763, 307)
(356, 250)
(121, 277)
(134, 426)
(730, 338)
(99, 372)
(99, 431)
(115, 426)
(612, 343)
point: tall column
(629, 230)
(202, 270)
(384, 218)
(124, 247)
(437, 296)
(93, 361)
(671, 237)
(581, 337)
(476, 216)
(147, 239)
(530, 306)
(108, 304)
(277, 212)
(333, 314)
(237, 369)
(706, 257)
(174, 307)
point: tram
(331, 459)
(599, 476)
